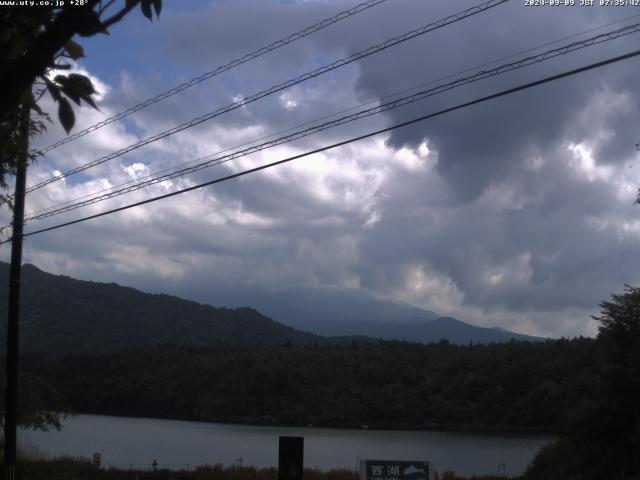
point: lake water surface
(136, 442)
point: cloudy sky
(515, 213)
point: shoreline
(176, 444)
(256, 422)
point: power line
(282, 86)
(33, 215)
(218, 70)
(384, 107)
(403, 101)
(342, 143)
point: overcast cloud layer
(515, 213)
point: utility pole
(13, 320)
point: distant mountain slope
(460, 332)
(348, 312)
(61, 314)
(446, 328)
(322, 305)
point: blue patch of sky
(132, 127)
(230, 83)
(188, 5)
(79, 179)
(293, 2)
(134, 46)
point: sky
(517, 213)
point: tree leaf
(90, 24)
(37, 108)
(157, 6)
(61, 79)
(145, 6)
(81, 84)
(67, 88)
(65, 114)
(89, 100)
(54, 90)
(72, 95)
(77, 87)
(74, 50)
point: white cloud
(583, 162)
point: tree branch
(118, 16)
(106, 6)
(22, 72)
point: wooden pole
(13, 320)
(291, 458)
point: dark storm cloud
(564, 260)
(484, 143)
(539, 238)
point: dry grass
(81, 469)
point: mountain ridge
(63, 314)
(330, 311)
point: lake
(136, 442)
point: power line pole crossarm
(13, 320)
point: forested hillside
(501, 387)
(61, 314)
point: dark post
(290, 458)
(13, 320)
